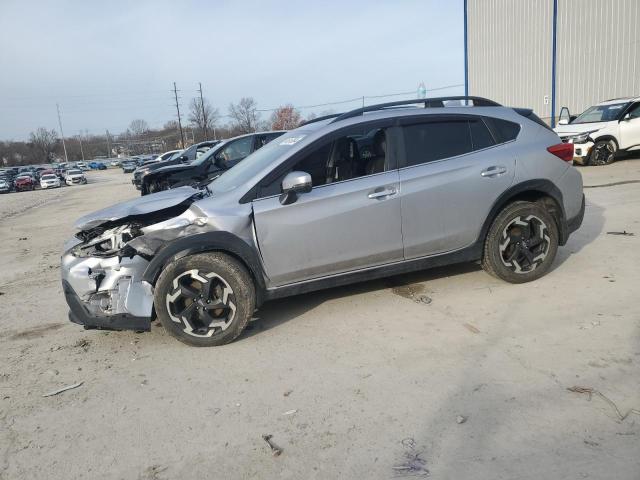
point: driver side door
(348, 221)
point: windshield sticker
(292, 140)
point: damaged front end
(103, 266)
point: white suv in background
(601, 131)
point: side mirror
(627, 117)
(563, 121)
(293, 184)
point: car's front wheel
(603, 153)
(522, 243)
(205, 300)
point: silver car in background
(377, 191)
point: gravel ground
(354, 382)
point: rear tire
(521, 244)
(205, 300)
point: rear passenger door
(453, 169)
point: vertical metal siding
(509, 45)
(598, 51)
(510, 52)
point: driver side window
(355, 153)
(635, 111)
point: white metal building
(546, 54)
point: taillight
(563, 151)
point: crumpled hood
(137, 206)
(577, 128)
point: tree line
(204, 122)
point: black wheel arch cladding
(224, 242)
(531, 190)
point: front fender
(207, 242)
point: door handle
(493, 171)
(383, 193)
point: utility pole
(108, 146)
(64, 146)
(81, 150)
(204, 114)
(175, 93)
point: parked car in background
(24, 182)
(49, 180)
(115, 162)
(5, 186)
(603, 131)
(212, 163)
(167, 155)
(97, 166)
(128, 166)
(188, 155)
(441, 185)
(82, 166)
(74, 176)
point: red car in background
(24, 182)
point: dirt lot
(358, 382)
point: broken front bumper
(107, 292)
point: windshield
(49, 177)
(256, 162)
(74, 172)
(601, 113)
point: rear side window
(480, 135)
(427, 142)
(503, 130)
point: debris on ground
(63, 389)
(413, 292)
(592, 391)
(1, 293)
(413, 463)
(461, 419)
(290, 412)
(623, 233)
(274, 448)
(23, 238)
(591, 444)
(471, 328)
(287, 393)
(83, 343)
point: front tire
(603, 153)
(205, 300)
(521, 243)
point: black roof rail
(436, 102)
(319, 119)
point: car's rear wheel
(603, 153)
(205, 300)
(522, 243)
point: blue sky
(107, 63)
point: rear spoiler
(528, 113)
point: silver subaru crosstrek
(377, 191)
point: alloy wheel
(525, 244)
(603, 153)
(203, 303)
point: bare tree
(285, 118)
(138, 127)
(202, 115)
(245, 115)
(44, 141)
